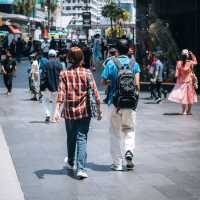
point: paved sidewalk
(167, 153)
(10, 188)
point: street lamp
(86, 19)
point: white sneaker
(81, 174)
(71, 167)
(116, 167)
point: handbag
(194, 80)
(93, 109)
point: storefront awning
(14, 30)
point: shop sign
(86, 19)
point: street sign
(86, 19)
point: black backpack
(126, 94)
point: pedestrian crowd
(63, 82)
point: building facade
(75, 8)
(40, 12)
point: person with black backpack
(123, 76)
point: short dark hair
(123, 46)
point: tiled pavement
(167, 154)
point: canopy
(14, 30)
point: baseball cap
(52, 53)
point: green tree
(109, 11)
(24, 7)
(115, 13)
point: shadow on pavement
(172, 114)
(38, 122)
(96, 167)
(145, 98)
(3, 93)
(41, 173)
(26, 99)
(151, 102)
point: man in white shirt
(45, 47)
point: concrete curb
(10, 188)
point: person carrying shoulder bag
(76, 88)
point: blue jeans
(77, 131)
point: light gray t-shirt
(159, 70)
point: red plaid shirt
(72, 91)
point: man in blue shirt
(112, 54)
(97, 51)
(122, 122)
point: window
(67, 8)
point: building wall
(40, 10)
(75, 8)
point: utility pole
(134, 28)
(86, 20)
(49, 14)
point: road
(167, 152)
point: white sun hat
(185, 52)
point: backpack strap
(131, 63)
(117, 63)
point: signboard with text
(86, 19)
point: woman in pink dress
(184, 91)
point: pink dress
(184, 91)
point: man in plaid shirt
(73, 92)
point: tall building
(39, 11)
(75, 8)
